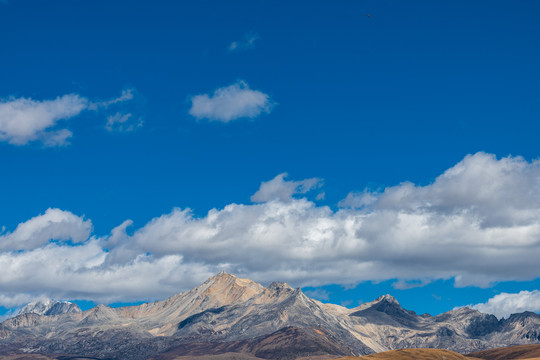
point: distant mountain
(228, 315)
(49, 307)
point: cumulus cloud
(24, 120)
(503, 305)
(230, 103)
(283, 190)
(247, 42)
(477, 223)
(54, 224)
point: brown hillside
(239, 356)
(508, 353)
(412, 354)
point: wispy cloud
(247, 42)
(123, 122)
(126, 95)
(230, 103)
(504, 304)
(25, 120)
(283, 190)
(478, 223)
(358, 200)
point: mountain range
(229, 315)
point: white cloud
(280, 189)
(247, 42)
(56, 138)
(126, 95)
(503, 305)
(55, 224)
(358, 200)
(478, 223)
(24, 120)
(123, 122)
(230, 103)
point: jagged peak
(385, 303)
(464, 310)
(225, 289)
(98, 309)
(523, 316)
(459, 313)
(220, 276)
(223, 273)
(224, 278)
(49, 307)
(279, 286)
(387, 298)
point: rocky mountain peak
(279, 286)
(524, 317)
(384, 301)
(386, 309)
(458, 314)
(219, 290)
(387, 298)
(389, 305)
(224, 282)
(220, 276)
(49, 307)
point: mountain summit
(227, 314)
(49, 307)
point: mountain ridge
(230, 314)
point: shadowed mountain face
(228, 315)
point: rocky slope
(226, 314)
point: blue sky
(407, 130)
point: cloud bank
(25, 120)
(477, 223)
(230, 103)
